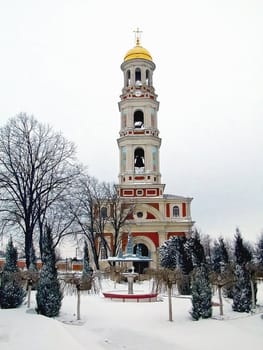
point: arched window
(139, 160)
(138, 120)
(176, 211)
(138, 77)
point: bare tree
(120, 213)
(37, 168)
(89, 216)
(61, 217)
(99, 206)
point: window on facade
(139, 160)
(138, 120)
(148, 81)
(176, 211)
(138, 75)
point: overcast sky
(60, 61)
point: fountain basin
(136, 297)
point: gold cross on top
(137, 36)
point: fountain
(130, 275)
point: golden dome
(138, 52)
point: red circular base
(131, 297)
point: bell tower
(156, 216)
(139, 142)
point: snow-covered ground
(116, 325)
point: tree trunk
(170, 303)
(78, 303)
(253, 297)
(28, 246)
(220, 300)
(29, 294)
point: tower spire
(137, 33)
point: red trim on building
(152, 192)
(124, 241)
(139, 177)
(184, 209)
(127, 193)
(167, 210)
(154, 205)
(147, 192)
(150, 216)
(151, 235)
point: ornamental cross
(137, 33)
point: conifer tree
(32, 275)
(33, 260)
(168, 260)
(49, 295)
(201, 294)
(185, 266)
(242, 294)
(196, 249)
(216, 258)
(222, 275)
(87, 270)
(184, 258)
(11, 290)
(168, 254)
(201, 287)
(259, 251)
(223, 252)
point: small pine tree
(184, 258)
(201, 287)
(223, 252)
(216, 258)
(242, 293)
(196, 249)
(220, 256)
(185, 266)
(49, 295)
(201, 294)
(242, 253)
(87, 269)
(33, 260)
(168, 254)
(259, 251)
(11, 290)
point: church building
(156, 216)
